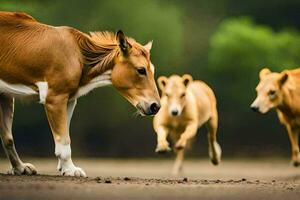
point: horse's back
(15, 20)
(15, 16)
(29, 48)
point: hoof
(163, 148)
(180, 144)
(215, 158)
(296, 163)
(215, 161)
(24, 169)
(73, 171)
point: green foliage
(239, 44)
(20, 6)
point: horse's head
(133, 75)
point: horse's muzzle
(148, 108)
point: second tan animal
(186, 106)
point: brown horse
(57, 65)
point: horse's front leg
(59, 112)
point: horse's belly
(23, 91)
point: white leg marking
(65, 163)
(63, 151)
(43, 90)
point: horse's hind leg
(214, 148)
(6, 119)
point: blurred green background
(223, 42)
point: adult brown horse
(57, 65)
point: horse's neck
(97, 73)
(91, 82)
(98, 52)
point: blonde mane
(99, 49)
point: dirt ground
(149, 179)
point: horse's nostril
(254, 108)
(174, 112)
(154, 108)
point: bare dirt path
(149, 179)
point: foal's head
(270, 90)
(133, 75)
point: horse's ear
(148, 46)
(283, 77)
(122, 42)
(187, 79)
(162, 82)
(264, 72)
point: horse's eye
(272, 93)
(182, 95)
(141, 71)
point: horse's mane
(99, 49)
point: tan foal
(186, 106)
(282, 92)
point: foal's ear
(148, 46)
(187, 79)
(162, 82)
(264, 72)
(122, 42)
(283, 77)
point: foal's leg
(58, 108)
(6, 119)
(214, 148)
(294, 139)
(190, 132)
(177, 167)
(162, 143)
